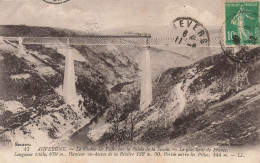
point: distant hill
(34, 31)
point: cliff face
(31, 101)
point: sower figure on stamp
(239, 20)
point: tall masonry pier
(69, 86)
(146, 79)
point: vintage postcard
(129, 81)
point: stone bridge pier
(69, 83)
(21, 50)
(146, 79)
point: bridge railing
(118, 40)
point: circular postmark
(192, 31)
(55, 1)
(239, 35)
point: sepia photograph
(129, 81)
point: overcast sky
(109, 14)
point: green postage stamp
(242, 23)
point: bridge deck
(116, 40)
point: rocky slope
(212, 101)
